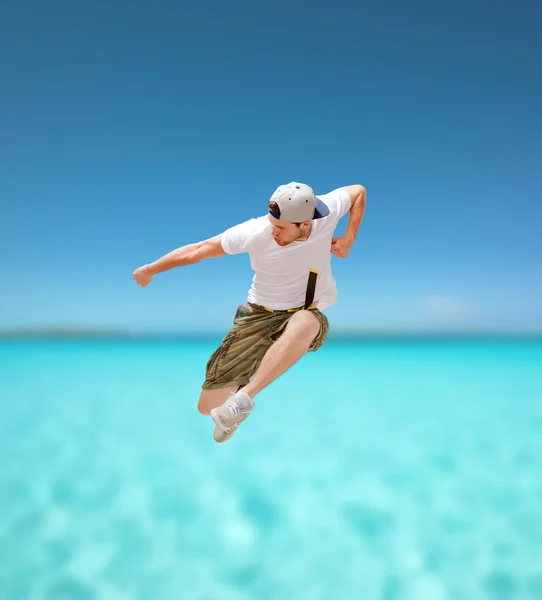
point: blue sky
(131, 128)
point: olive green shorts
(254, 330)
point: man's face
(285, 233)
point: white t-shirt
(281, 272)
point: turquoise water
(371, 470)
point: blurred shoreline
(338, 335)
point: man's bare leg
(210, 399)
(295, 341)
(298, 335)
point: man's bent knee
(304, 325)
(210, 399)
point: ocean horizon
(339, 334)
(378, 468)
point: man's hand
(143, 275)
(340, 246)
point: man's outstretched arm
(185, 255)
(341, 245)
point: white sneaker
(229, 416)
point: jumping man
(290, 250)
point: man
(290, 250)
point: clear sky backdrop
(131, 128)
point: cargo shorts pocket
(215, 361)
(321, 337)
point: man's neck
(304, 237)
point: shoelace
(233, 409)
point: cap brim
(321, 210)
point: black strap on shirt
(311, 287)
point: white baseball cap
(297, 203)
